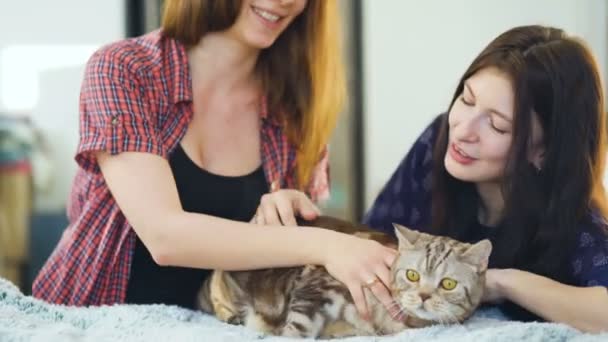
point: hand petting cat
(356, 262)
(282, 206)
(361, 263)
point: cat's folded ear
(478, 255)
(406, 237)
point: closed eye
(465, 101)
(498, 130)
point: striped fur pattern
(439, 261)
(308, 302)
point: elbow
(160, 248)
(597, 327)
(161, 257)
(592, 325)
(161, 254)
(157, 240)
(599, 321)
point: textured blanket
(23, 318)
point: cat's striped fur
(308, 302)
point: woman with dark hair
(519, 159)
(182, 131)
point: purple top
(406, 200)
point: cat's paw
(295, 330)
(235, 320)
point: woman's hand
(360, 263)
(282, 206)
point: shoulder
(424, 144)
(132, 56)
(590, 259)
(594, 228)
(420, 156)
(430, 134)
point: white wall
(43, 48)
(415, 52)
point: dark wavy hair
(554, 76)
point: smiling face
(436, 278)
(481, 127)
(260, 22)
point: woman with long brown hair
(182, 131)
(519, 158)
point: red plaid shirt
(136, 96)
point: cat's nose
(425, 296)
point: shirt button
(114, 121)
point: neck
(492, 203)
(219, 61)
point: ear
(536, 147)
(406, 237)
(537, 156)
(478, 255)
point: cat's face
(437, 278)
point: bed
(24, 318)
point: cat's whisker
(450, 317)
(456, 320)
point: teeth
(266, 15)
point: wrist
(506, 280)
(319, 245)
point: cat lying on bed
(435, 280)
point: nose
(424, 296)
(467, 129)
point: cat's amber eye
(448, 283)
(412, 275)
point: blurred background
(404, 59)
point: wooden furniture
(15, 210)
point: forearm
(202, 241)
(585, 308)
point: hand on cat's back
(282, 206)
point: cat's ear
(406, 237)
(478, 255)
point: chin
(458, 171)
(260, 42)
(467, 173)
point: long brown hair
(302, 73)
(554, 76)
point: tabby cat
(434, 280)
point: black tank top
(234, 198)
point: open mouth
(461, 152)
(267, 15)
(459, 155)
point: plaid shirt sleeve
(115, 114)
